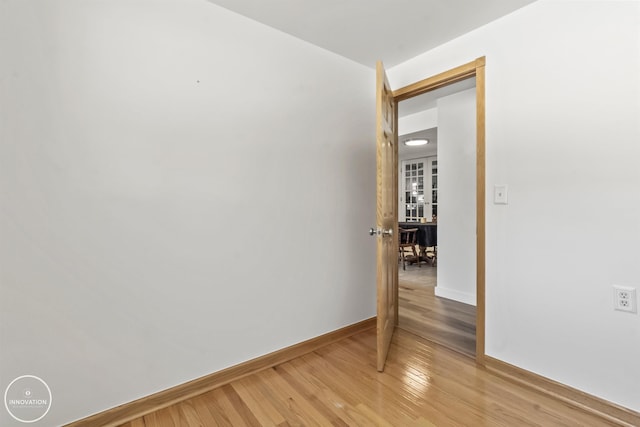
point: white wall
(457, 197)
(180, 192)
(562, 108)
(416, 122)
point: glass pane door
(414, 174)
(418, 189)
(434, 187)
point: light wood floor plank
(310, 395)
(241, 407)
(150, 420)
(423, 385)
(281, 403)
(211, 403)
(389, 403)
(303, 408)
(202, 410)
(267, 414)
(340, 407)
(359, 389)
(190, 415)
(373, 417)
(218, 395)
(135, 423)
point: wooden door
(386, 214)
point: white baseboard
(453, 294)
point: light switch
(500, 194)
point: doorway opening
(437, 301)
(474, 69)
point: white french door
(418, 189)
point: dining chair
(408, 242)
(431, 254)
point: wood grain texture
(445, 78)
(386, 213)
(446, 322)
(480, 208)
(155, 402)
(394, 182)
(423, 384)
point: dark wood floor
(441, 320)
(424, 384)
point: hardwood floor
(441, 320)
(424, 384)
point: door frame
(475, 69)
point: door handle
(378, 231)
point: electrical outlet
(624, 299)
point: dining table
(427, 235)
(427, 232)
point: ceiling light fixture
(415, 142)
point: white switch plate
(500, 194)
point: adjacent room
(436, 144)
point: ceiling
(370, 30)
(431, 149)
(393, 31)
